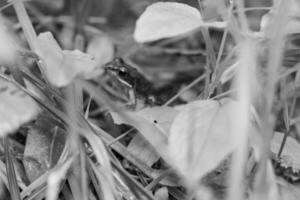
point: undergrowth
(141, 100)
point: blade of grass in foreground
(11, 175)
(25, 23)
(245, 80)
(276, 36)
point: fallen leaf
(201, 136)
(16, 108)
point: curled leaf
(102, 49)
(62, 66)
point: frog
(126, 79)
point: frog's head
(121, 71)
(137, 87)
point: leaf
(201, 137)
(161, 116)
(44, 144)
(16, 108)
(169, 19)
(166, 19)
(151, 132)
(62, 66)
(291, 151)
(102, 49)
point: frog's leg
(134, 102)
(132, 99)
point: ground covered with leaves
(124, 99)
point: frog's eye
(122, 71)
(119, 60)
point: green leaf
(61, 67)
(201, 136)
(166, 19)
